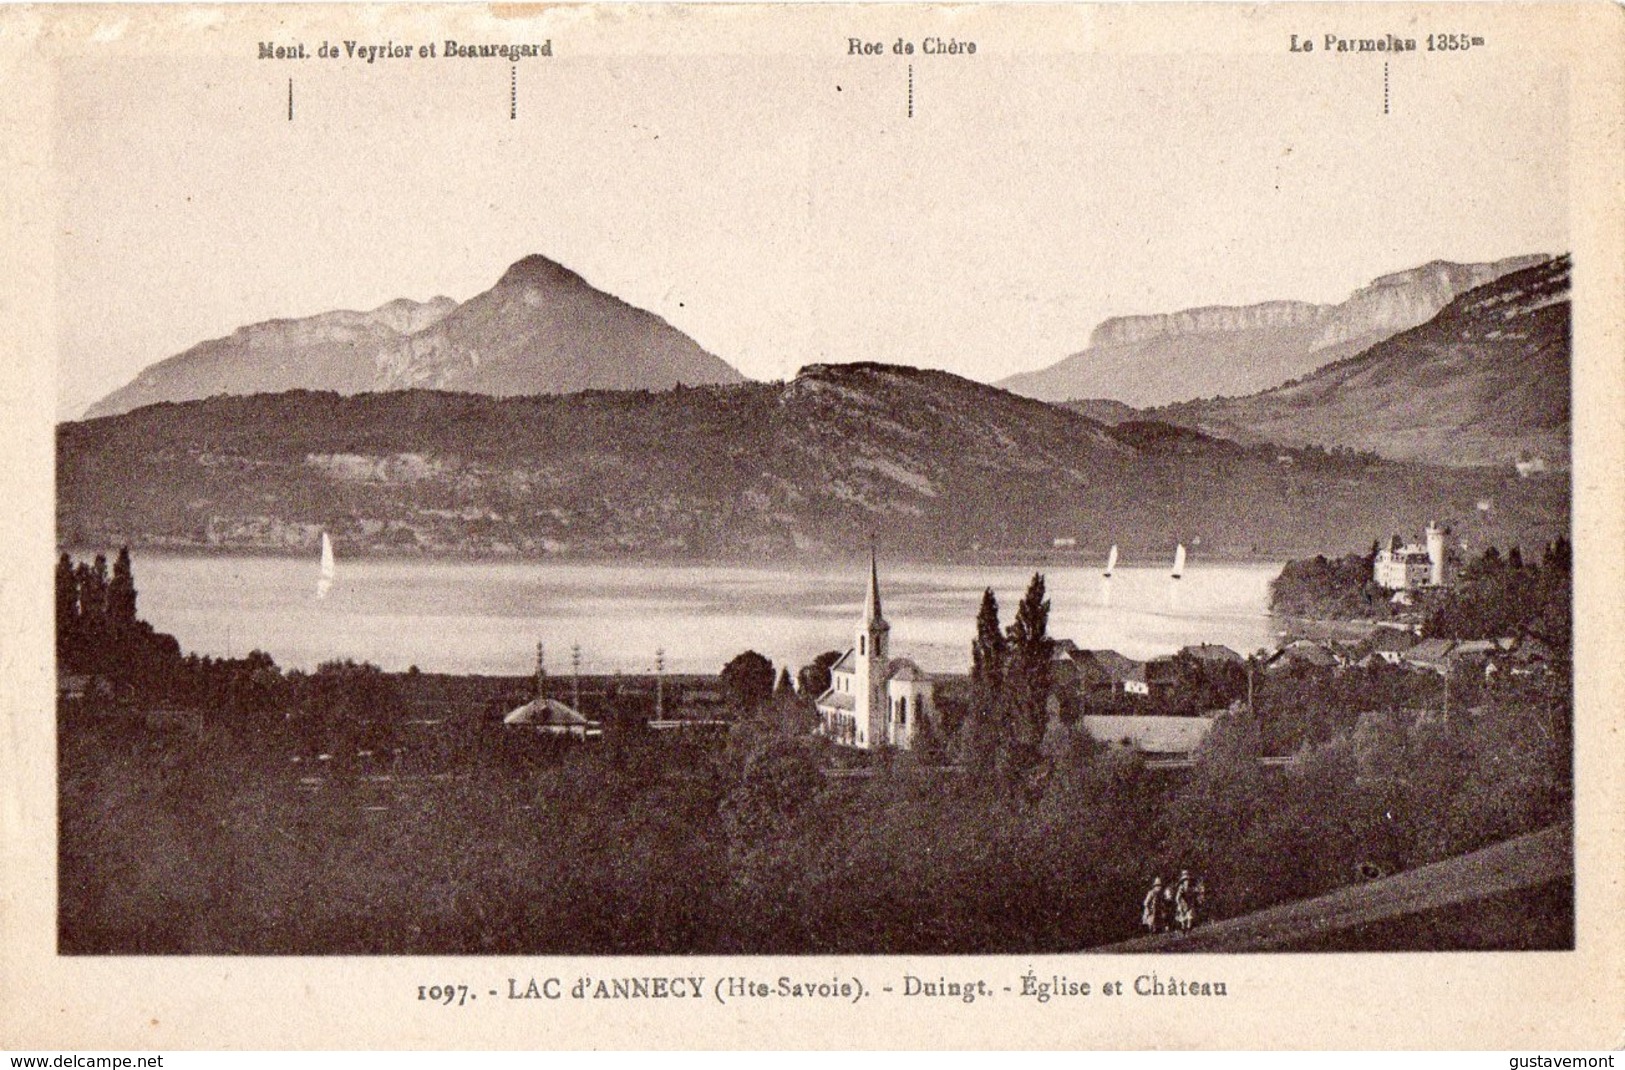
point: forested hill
(930, 465)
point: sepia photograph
(1001, 498)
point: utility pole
(1447, 689)
(660, 684)
(575, 672)
(541, 672)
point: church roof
(848, 662)
(841, 700)
(905, 670)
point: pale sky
(783, 211)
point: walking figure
(1187, 896)
(1154, 911)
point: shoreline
(1040, 559)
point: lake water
(485, 617)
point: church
(874, 700)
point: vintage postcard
(817, 526)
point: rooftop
(546, 712)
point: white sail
(1179, 561)
(1111, 560)
(329, 568)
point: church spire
(871, 604)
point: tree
(784, 687)
(121, 594)
(67, 609)
(988, 651)
(982, 731)
(347, 705)
(747, 681)
(1207, 821)
(1027, 676)
(98, 587)
(1488, 564)
(813, 680)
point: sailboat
(324, 582)
(1111, 561)
(1179, 561)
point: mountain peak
(539, 271)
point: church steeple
(872, 632)
(871, 604)
(872, 663)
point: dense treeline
(98, 631)
(1507, 596)
(1329, 589)
(740, 843)
(271, 826)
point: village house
(1156, 708)
(1135, 682)
(551, 717)
(1476, 655)
(1302, 655)
(73, 689)
(1213, 653)
(874, 700)
(1103, 673)
(1389, 644)
(1529, 657)
(1430, 654)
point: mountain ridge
(1163, 358)
(1485, 381)
(541, 329)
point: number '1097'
(446, 994)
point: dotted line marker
(513, 92)
(1385, 87)
(911, 90)
(290, 100)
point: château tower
(1438, 559)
